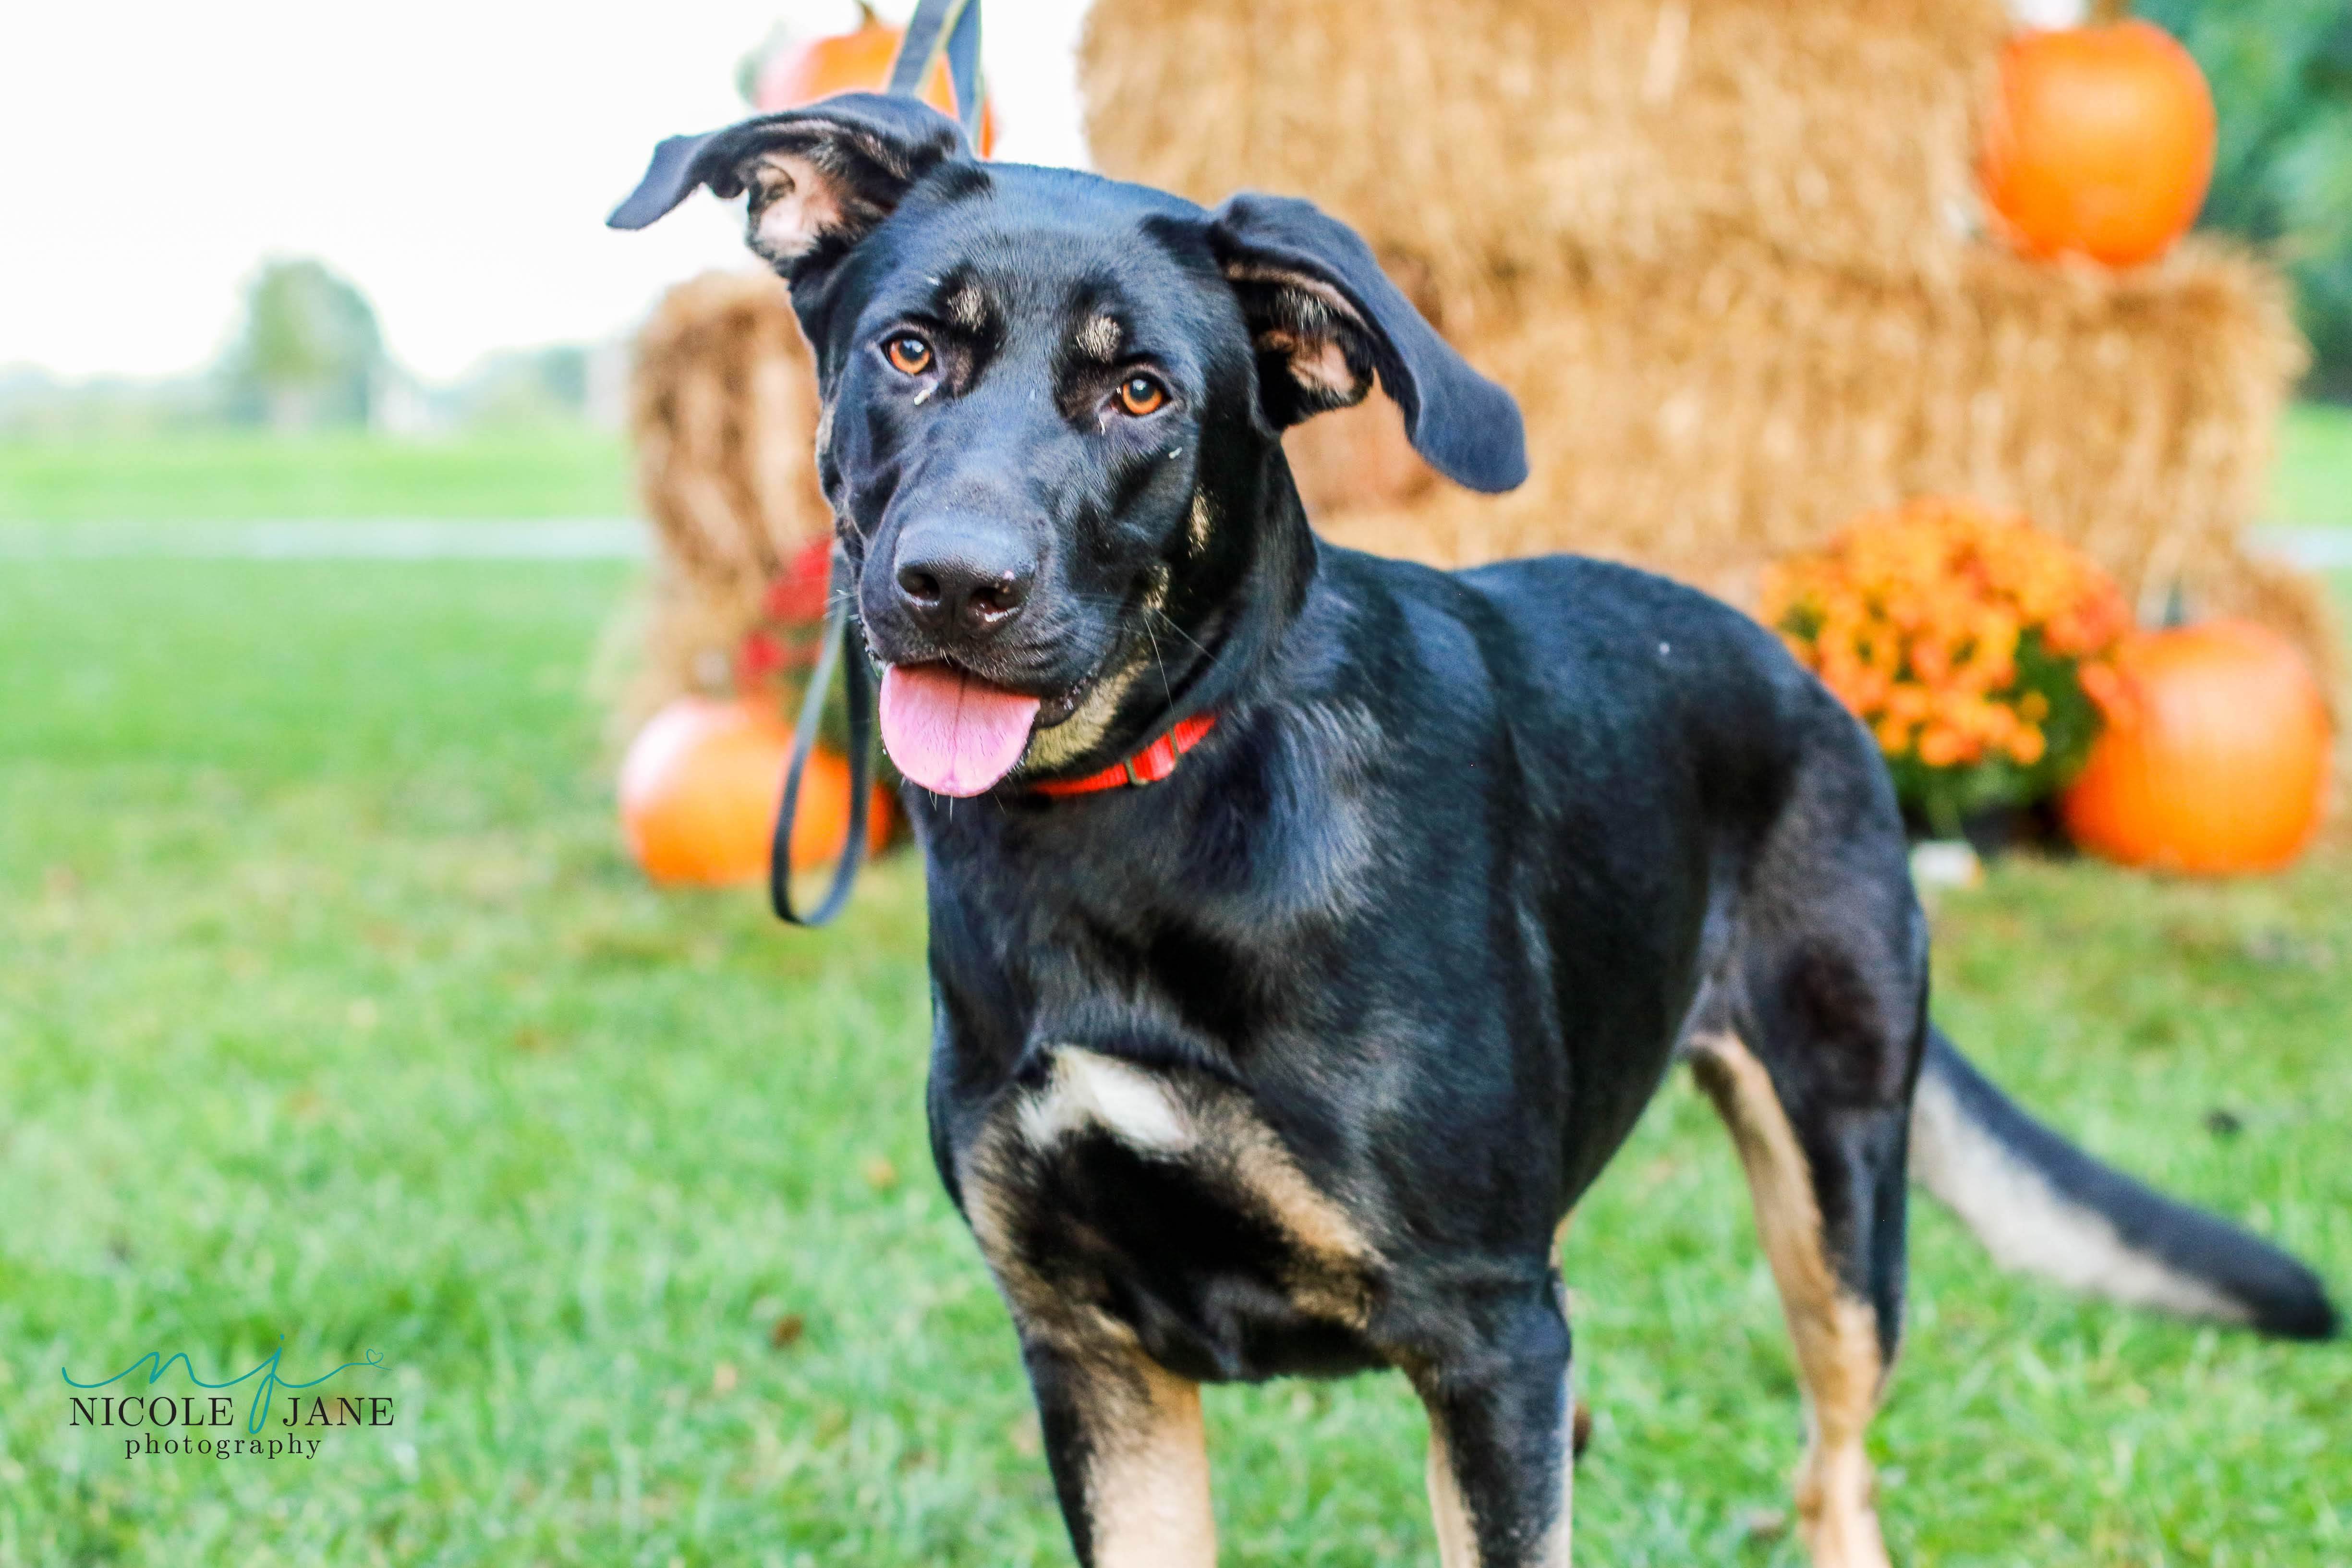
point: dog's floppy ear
(1327, 318)
(821, 178)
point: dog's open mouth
(949, 731)
(955, 732)
(959, 733)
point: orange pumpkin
(858, 61)
(2215, 755)
(700, 789)
(2100, 142)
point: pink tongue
(952, 732)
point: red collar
(1150, 765)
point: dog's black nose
(962, 580)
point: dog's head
(1053, 407)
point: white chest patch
(1088, 1089)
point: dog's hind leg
(1843, 1337)
(1501, 1417)
(1130, 1460)
(1808, 1038)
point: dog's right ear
(821, 178)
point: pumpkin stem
(867, 19)
(2102, 11)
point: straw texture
(1500, 142)
(1725, 252)
(723, 410)
(1690, 416)
(723, 413)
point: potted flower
(1976, 648)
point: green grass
(329, 1011)
(239, 475)
(2312, 481)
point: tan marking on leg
(1148, 1481)
(1836, 1336)
(1457, 1543)
(1553, 1551)
(1572, 1445)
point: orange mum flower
(1966, 639)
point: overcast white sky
(455, 158)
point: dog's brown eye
(908, 354)
(1140, 394)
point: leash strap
(952, 25)
(840, 647)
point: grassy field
(2313, 482)
(238, 475)
(331, 1013)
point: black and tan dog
(1292, 1061)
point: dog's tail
(2042, 1207)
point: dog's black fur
(1293, 1062)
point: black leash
(840, 647)
(952, 25)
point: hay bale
(1501, 143)
(1702, 421)
(723, 410)
(723, 413)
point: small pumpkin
(700, 789)
(857, 61)
(2099, 142)
(2215, 755)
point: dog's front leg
(1501, 1443)
(1129, 1459)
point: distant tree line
(2281, 76)
(306, 354)
(309, 353)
